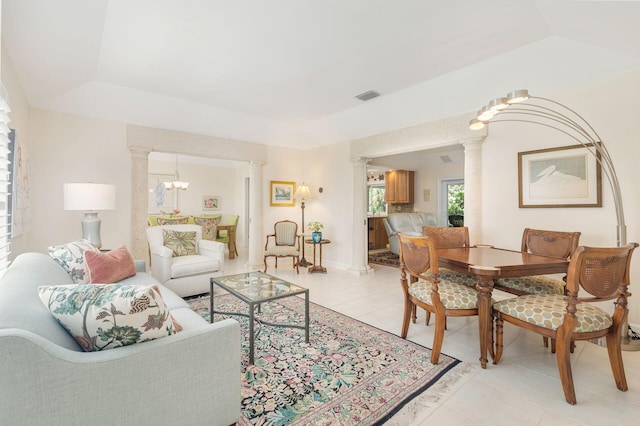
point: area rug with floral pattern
(385, 258)
(350, 373)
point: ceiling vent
(446, 159)
(368, 95)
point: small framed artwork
(210, 202)
(160, 198)
(568, 176)
(282, 193)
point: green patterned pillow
(209, 227)
(181, 243)
(172, 220)
(106, 316)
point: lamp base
(91, 228)
(304, 263)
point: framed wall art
(282, 193)
(210, 202)
(161, 199)
(568, 176)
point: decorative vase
(316, 237)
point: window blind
(5, 181)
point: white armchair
(189, 274)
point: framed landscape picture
(210, 203)
(282, 193)
(568, 176)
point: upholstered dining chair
(423, 287)
(543, 243)
(286, 243)
(599, 274)
(447, 237)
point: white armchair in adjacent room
(182, 261)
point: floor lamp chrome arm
(576, 127)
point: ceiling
(286, 72)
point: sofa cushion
(193, 265)
(181, 243)
(70, 257)
(109, 267)
(108, 316)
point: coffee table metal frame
(255, 288)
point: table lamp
(90, 198)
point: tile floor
(524, 388)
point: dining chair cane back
(598, 274)
(447, 237)
(286, 243)
(423, 287)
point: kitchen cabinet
(377, 234)
(399, 186)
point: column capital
(139, 152)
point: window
(451, 199)
(376, 202)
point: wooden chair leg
(563, 358)
(615, 359)
(545, 341)
(438, 337)
(428, 318)
(499, 324)
(414, 315)
(265, 264)
(409, 307)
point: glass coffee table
(255, 288)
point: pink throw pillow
(109, 267)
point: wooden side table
(318, 266)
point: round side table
(318, 266)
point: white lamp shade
(89, 196)
(302, 192)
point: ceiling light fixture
(177, 183)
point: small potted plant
(315, 228)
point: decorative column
(359, 258)
(139, 201)
(473, 189)
(256, 243)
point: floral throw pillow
(108, 316)
(172, 221)
(209, 227)
(181, 243)
(70, 257)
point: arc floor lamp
(520, 106)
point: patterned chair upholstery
(424, 287)
(544, 243)
(599, 274)
(286, 243)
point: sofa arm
(44, 383)
(161, 262)
(212, 249)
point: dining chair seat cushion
(452, 294)
(548, 310)
(457, 277)
(533, 284)
(281, 251)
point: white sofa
(185, 275)
(191, 377)
(407, 223)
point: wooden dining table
(487, 263)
